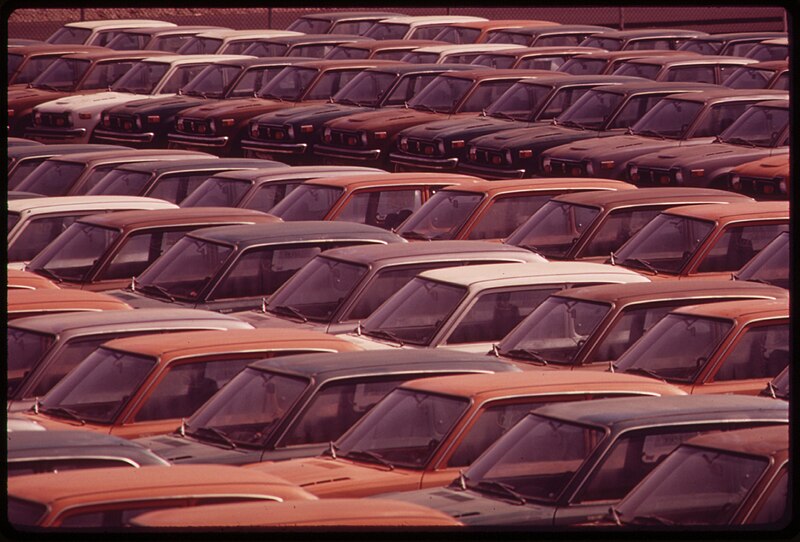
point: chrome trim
(353, 154)
(119, 459)
(432, 163)
(141, 137)
(220, 141)
(285, 148)
(469, 169)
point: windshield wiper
(424, 107)
(645, 372)
(219, 434)
(504, 488)
(383, 334)
(45, 271)
(290, 311)
(501, 115)
(159, 289)
(652, 133)
(416, 235)
(271, 97)
(642, 263)
(739, 141)
(525, 353)
(63, 413)
(369, 455)
(651, 519)
(330, 450)
(573, 124)
(348, 101)
(50, 87)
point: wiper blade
(525, 353)
(63, 413)
(366, 454)
(415, 235)
(651, 519)
(383, 334)
(219, 434)
(51, 87)
(572, 124)
(348, 101)
(159, 289)
(642, 263)
(45, 271)
(652, 133)
(501, 115)
(739, 141)
(290, 311)
(645, 372)
(424, 107)
(505, 489)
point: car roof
(691, 58)
(539, 382)
(57, 299)
(453, 48)
(771, 65)
(345, 63)
(731, 212)
(164, 166)
(322, 367)
(54, 204)
(484, 74)
(190, 215)
(432, 19)
(55, 49)
(545, 50)
(25, 151)
(223, 33)
(117, 23)
(109, 54)
(339, 15)
(720, 94)
(647, 85)
(373, 45)
(316, 38)
(623, 413)
(293, 232)
(634, 53)
(123, 153)
(369, 254)
(736, 35)
(292, 172)
(179, 60)
(764, 441)
(537, 30)
(193, 343)
(503, 23)
(674, 195)
(538, 183)
(168, 30)
(647, 32)
(742, 310)
(560, 79)
(407, 67)
(508, 274)
(389, 179)
(626, 294)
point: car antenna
(613, 258)
(358, 328)
(264, 305)
(182, 429)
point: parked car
(591, 326)
(73, 118)
(262, 190)
(220, 127)
(104, 252)
(170, 180)
(384, 200)
(737, 477)
(772, 74)
(340, 287)
(678, 120)
(225, 41)
(479, 31)
(471, 308)
(283, 408)
(778, 387)
(540, 36)
(727, 43)
(712, 69)
(606, 62)
(450, 53)
(291, 133)
(348, 22)
(23, 302)
(591, 226)
(491, 209)
(723, 238)
(141, 386)
(415, 27)
(771, 265)
(21, 142)
(90, 32)
(25, 280)
(23, 64)
(234, 268)
(366, 138)
(168, 39)
(361, 514)
(641, 39)
(565, 464)
(424, 432)
(43, 349)
(146, 122)
(34, 223)
(75, 174)
(34, 452)
(304, 45)
(772, 49)
(377, 49)
(764, 179)
(605, 111)
(532, 58)
(108, 498)
(726, 347)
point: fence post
(82, 17)
(269, 18)
(621, 18)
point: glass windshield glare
(212, 81)
(307, 202)
(25, 348)
(591, 110)
(520, 102)
(404, 429)
(442, 215)
(121, 182)
(100, 387)
(365, 89)
(760, 126)
(75, 252)
(289, 84)
(142, 78)
(318, 289)
(676, 348)
(665, 244)
(184, 270)
(555, 331)
(536, 459)
(249, 407)
(441, 95)
(415, 313)
(555, 228)
(52, 178)
(217, 192)
(669, 118)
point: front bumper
(48, 135)
(490, 172)
(328, 151)
(274, 148)
(197, 141)
(437, 164)
(125, 137)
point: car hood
(158, 104)
(535, 135)
(26, 96)
(703, 155)
(327, 477)
(89, 102)
(613, 147)
(176, 449)
(238, 108)
(139, 300)
(256, 318)
(461, 127)
(394, 120)
(319, 113)
(473, 508)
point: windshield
(555, 228)
(200, 46)
(665, 244)
(584, 66)
(37, 233)
(609, 44)
(13, 219)
(142, 78)
(404, 429)
(458, 34)
(720, 480)
(442, 216)
(121, 182)
(317, 290)
(63, 74)
(264, 49)
(13, 62)
(669, 118)
(307, 202)
(268, 195)
(591, 110)
(75, 252)
(52, 178)
(615, 230)
(555, 331)
(638, 69)
(248, 408)
(212, 81)
(366, 89)
(289, 84)
(253, 81)
(759, 126)
(747, 77)
(506, 214)
(677, 348)
(387, 31)
(421, 58)
(498, 61)
(415, 313)
(101, 386)
(184, 270)
(69, 35)
(103, 74)
(25, 349)
(770, 265)
(218, 192)
(521, 101)
(704, 47)
(309, 25)
(32, 68)
(535, 459)
(441, 95)
(345, 51)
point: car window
(776, 504)
(268, 195)
(617, 228)
(551, 63)
(330, 83)
(761, 352)
(492, 423)
(180, 78)
(737, 246)
(486, 94)
(139, 251)
(382, 208)
(505, 215)
(718, 118)
(697, 74)
(37, 234)
(407, 88)
(175, 188)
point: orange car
(725, 347)
(24, 302)
(764, 179)
(25, 280)
(108, 497)
(142, 386)
(424, 431)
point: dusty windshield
(142, 78)
(63, 74)
(100, 387)
(75, 252)
(535, 460)
(442, 215)
(121, 182)
(668, 119)
(307, 202)
(403, 430)
(52, 177)
(317, 290)
(415, 313)
(555, 228)
(217, 192)
(212, 81)
(665, 244)
(184, 270)
(758, 126)
(441, 95)
(365, 89)
(25, 348)
(521, 101)
(248, 408)
(289, 84)
(555, 331)
(591, 110)
(676, 348)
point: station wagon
(350, 22)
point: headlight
(403, 144)
(782, 186)
(589, 167)
(363, 137)
(326, 135)
(253, 129)
(736, 182)
(440, 146)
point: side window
(505, 215)
(618, 228)
(562, 101)
(697, 74)
(761, 352)
(737, 246)
(268, 195)
(718, 118)
(627, 330)
(385, 209)
(175, 188)
(490, 426)
(775, 509)
(138, 252)
(634, 110)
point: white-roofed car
(93, 32)
(418, 27)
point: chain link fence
(41, 22)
